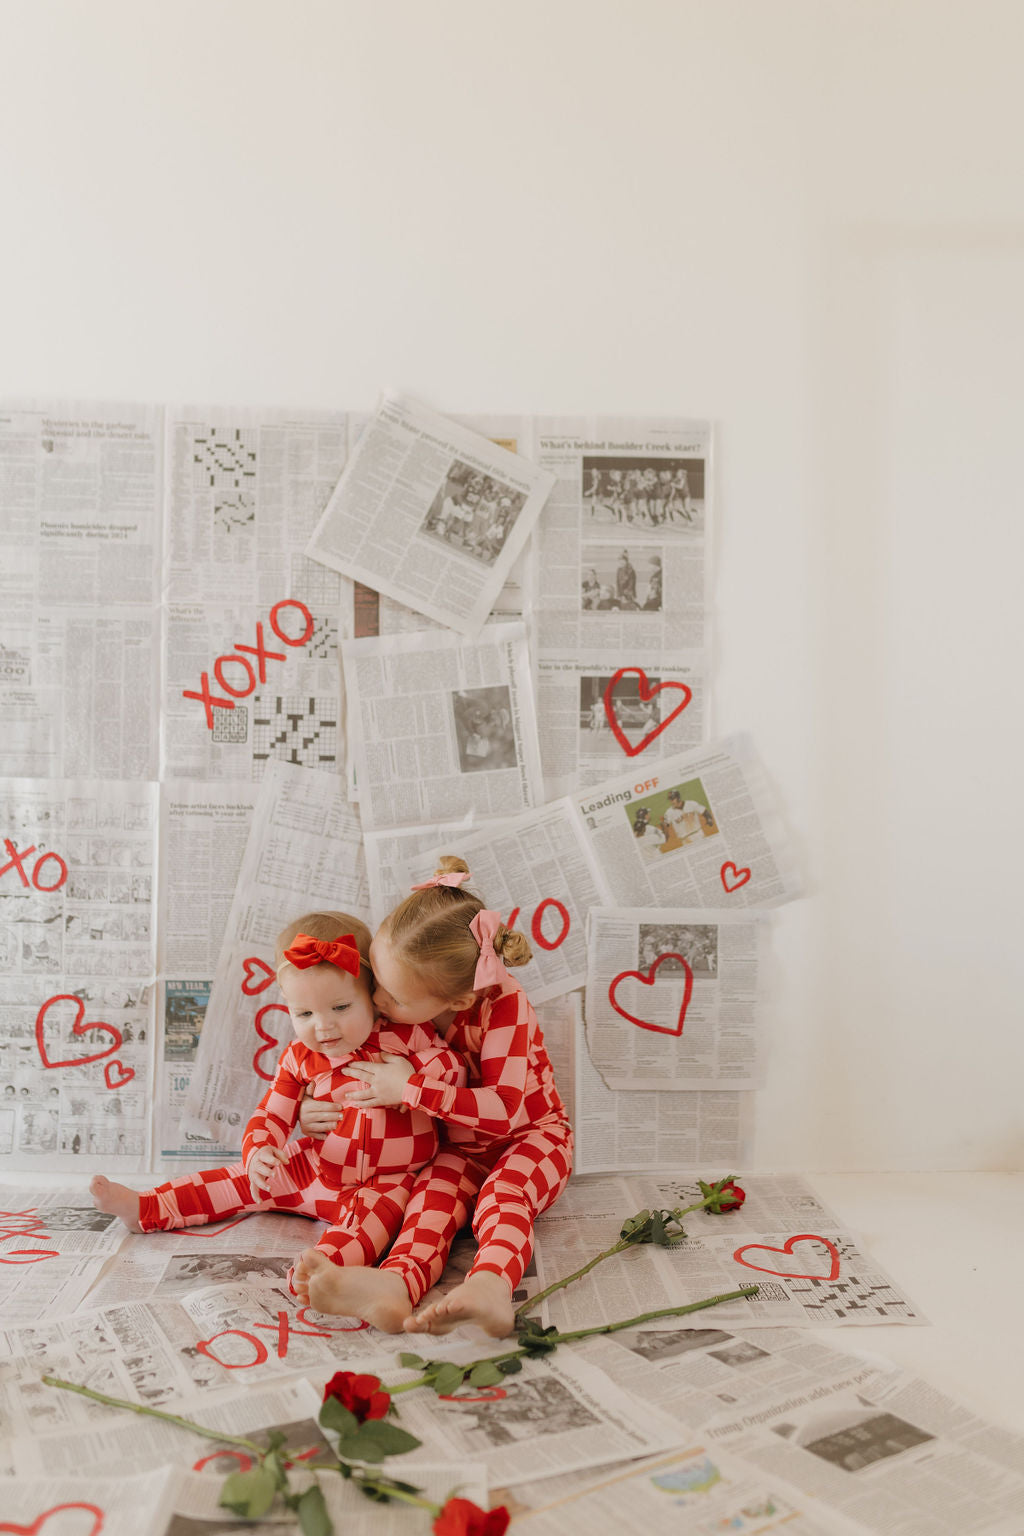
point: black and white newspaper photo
(699, 830)
(538, 872)
(596, 716)
(621, 556)
(672, 998)
(442, 726)
(430, 513)
(80, 583)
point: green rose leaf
(658, 1234)
(312, 1511)
(448, 1379)
(249, 1493)
(486, 1374)
(392, 1440)
(361, 1447)
(510, 1367)
(334, 1415)
(411, 1362)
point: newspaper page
(698, 1373)
(443, 726)
(594, 715)
(701, 831)
(895, 1454)
(78, 944)
(556, 1415)
(246, 1250)
(388, 853)
(536, 870)
(83, 1505)
(621, 552)
(671, 1000)
(809, 1269)
(203, 832)
(251, 624)
(303, 854)
(697, 1490)
(122, 1442)
(618, 1128)
(79, 589)
(53, 1245)
(430, 513)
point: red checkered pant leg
(214, 1194)
(523, 1182)
(370, 1215)
(441, 1200)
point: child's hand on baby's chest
(380, 1082)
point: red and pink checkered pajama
(359, 1178)
(508, 1137)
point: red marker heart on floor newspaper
(733, 878)
(68, 1527)
(272, 1044)
(647, 692)
(648, 981)
(117, 1074)
(258, 975)
(77, 1028)
(787, 1248)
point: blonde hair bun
(450, 864)
(513, 947)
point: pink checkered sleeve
(274, 1118)
(429, 1055)
(497, 1105)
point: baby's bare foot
(484, 1299)
(375, 1295)
(116, 1200)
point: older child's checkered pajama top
(507, 1136)
(359, 1178)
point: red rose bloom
(461, 1517)
(730, 1197)
(361, 1395)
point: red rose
(730, 1196)
(461, 1517)
(361, 1395)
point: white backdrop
(803, 219)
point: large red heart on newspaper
(787, 1249)
(77, 1028)
(69, 1527)
(647, 692)
(732, 878)
(648, 981)
(271, 1045)
(258, 975)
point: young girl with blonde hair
(360, 1176)
(441, 956)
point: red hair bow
(343, 952)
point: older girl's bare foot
(483, 1299)
(116, 1200)
(298, 1281)
(375, 1295)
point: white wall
(802, 218)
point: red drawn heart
(77, 1028)
(40, 1520)
(125, 1074)
(271, 1045)
(28, 1256)
(741, 876)
(251, 965)
(648, 981)
(647, 692)
(787, 1248)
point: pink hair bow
(490, 972)
(343, 952)
(454, 878)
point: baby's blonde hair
(327, 926)
(429, 932)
